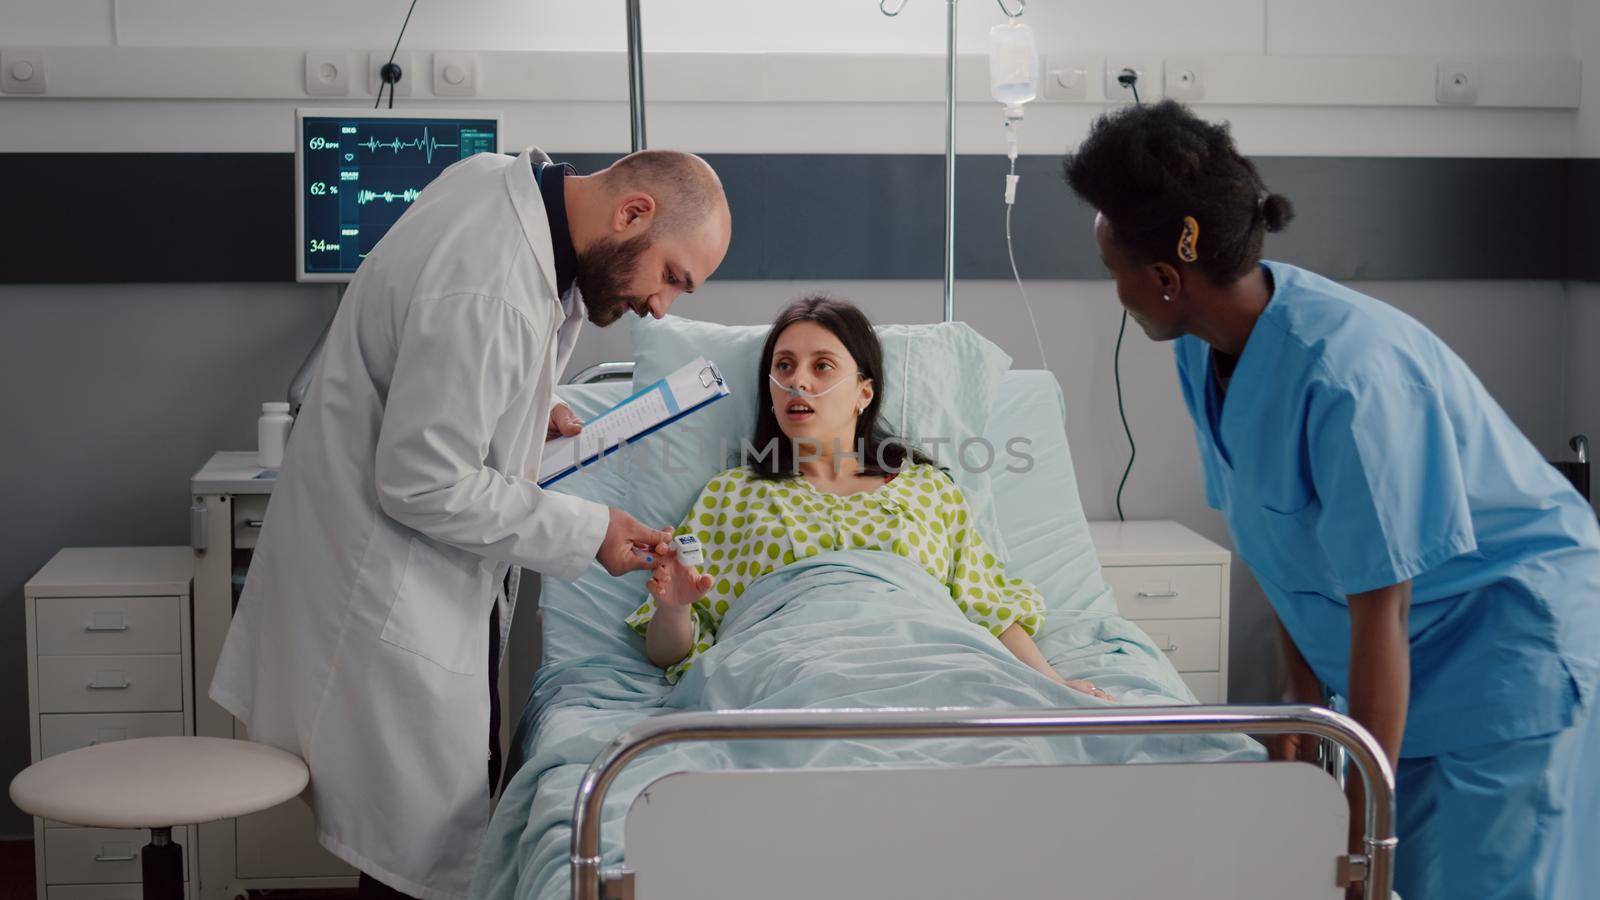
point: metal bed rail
(1374, 869)
(606, 371)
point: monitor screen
(357, 172)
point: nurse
(1424, 561)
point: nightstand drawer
(61, 732)
(100, 855)
(70, 731)
(249, 512)
(1207, 686)
(1193, 645)
(1166, 592)
(76, 626)
(99, 891)
(73, 684)
(95, 892)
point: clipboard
(641, 414)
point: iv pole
(950, 161)
(949, 148)
(950, 138)
(635, 76)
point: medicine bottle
(272, 433)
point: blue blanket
(856, 629)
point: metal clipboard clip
(711, 375)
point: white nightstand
(1173, 583)
(109, 658)
(276, 849)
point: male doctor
(380, 596)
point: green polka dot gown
(750, 527)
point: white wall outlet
(1458, 84)
(455, 74)
(1147, 69)
(1185, 81)
(1066, 79)
(409, 72)
(22, 70)
(327, 73)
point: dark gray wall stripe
(1583, 220)
(882, 216)
(183, 217)
(1422, 218)
(147, 217)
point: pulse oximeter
(689, 550)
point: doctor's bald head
(652, 226)
(686, 189)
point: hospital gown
(751, 526)
(1352, 450)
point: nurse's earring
(1189, 240)
(1167, 297)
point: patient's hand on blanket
(1086, 687)
(1020, 643)
(675, 587)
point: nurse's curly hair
(1146, 167)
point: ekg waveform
(427, 144)
(406, 196)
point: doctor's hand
(563, 423)
(672, 583)
(629, 545)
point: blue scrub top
(1353, 450)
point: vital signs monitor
(357, 170)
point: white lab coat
(361, 642)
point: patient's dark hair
(774, 454)
(1146, 167)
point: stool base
(162, 861)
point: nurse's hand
(1304, 691)
(674, 584)
(628, 544)
(1292, 747)
(563, 423)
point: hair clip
(1188, 240)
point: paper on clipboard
(652, 407)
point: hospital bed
(599, 806)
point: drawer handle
(98, 629)
(97, 686)
(254, 523)
(1171, 647)
(127, 857)
(1157, 595)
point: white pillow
(941, 382)
(1049, 541)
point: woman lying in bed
(820, 481)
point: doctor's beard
(605, 270)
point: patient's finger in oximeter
(689, 549)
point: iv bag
(1013, 64)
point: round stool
(159, 783)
